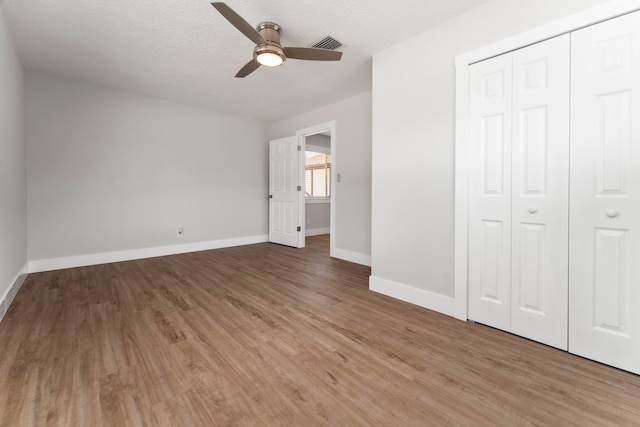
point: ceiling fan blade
(238, 22)
(311, 53)
(249, 68)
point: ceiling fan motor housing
(271, 33)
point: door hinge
(299, 147)
(299, 188)
(299, 228)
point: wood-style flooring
(265, 335)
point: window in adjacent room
(317, 175)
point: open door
(286, 198)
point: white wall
(111, 171)
(413, 145)
(317, 218)
(13, 179)
(353, 161)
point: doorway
(320, 177)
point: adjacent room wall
(413, 145)
(353, 162)
(317, 218)
(319, 142)
(13, 179)
(112, 175)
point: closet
(553, 207)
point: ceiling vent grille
(328, 43)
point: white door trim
(302, 205)
(302, 134)
(582, 19)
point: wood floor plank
(270, 335)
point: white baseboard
(316, 231)
(432, 301)
(128, 255)
(350, 256)
(8, 297)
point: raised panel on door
(283, 191)
(489, 271)
(604, 267)
(540, 191)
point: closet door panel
(604, 299)
(490, 192)
(540, 191)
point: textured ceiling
(186, 51)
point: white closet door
(604, 270)
(490, 192)
(540, 192)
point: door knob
(533, 210)
(612, 214)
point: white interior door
(489, 289)
(285, 192)
(540, 192)
(604, 269)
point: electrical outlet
(308, 221)
(180, 232)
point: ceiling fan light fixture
(269, 56)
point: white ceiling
(186, 51)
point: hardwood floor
(267, 335)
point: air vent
(328, 43)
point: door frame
(458, 306)
(302, 134)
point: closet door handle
(612, 214)
(533, 210)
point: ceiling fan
(268, 51)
